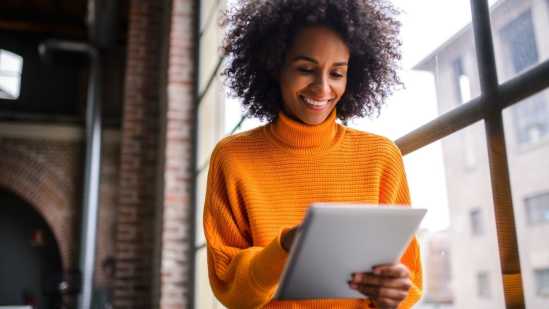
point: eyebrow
(306, 58)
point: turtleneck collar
(297, 135)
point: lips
(315, 104)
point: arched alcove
(30, 263)
(34, 182)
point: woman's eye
(338, 75)
(305, 70)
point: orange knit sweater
(262, 181)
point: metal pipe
(92, 165)
(194, 157)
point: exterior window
(537, 209)
(463, 85)
(483, 285)
(542, 282)
(531, 117)
(520, 39)
(531, 120)
(476, 222)
(11, 66)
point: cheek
(293, 84)
(341, 88)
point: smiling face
(314, 75)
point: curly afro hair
(260, 32)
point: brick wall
(44, 174)
(47, 173)
(176, 240)
(139, 157)
(152, 225)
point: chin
(313, 121)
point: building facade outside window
(537, 209)
(476, 222)
(542, 281)
(483, 285)
(463, 84)
(531, 118)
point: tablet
(338, 239)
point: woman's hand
(386, 285)
(288, 237)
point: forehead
(319, 42)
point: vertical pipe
(90, 202)
(497, 155)
(194, 158)
(91, 185)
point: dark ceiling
(59, 18)
(64, 18)
(57, 88)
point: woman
(300, 64)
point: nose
(321, 86)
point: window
(531, 120)
(11, 66)
(520, 39)
(537, 209)
(463, 84)
(542, 282)
(532, 117)
(483, 285)
(476, 222)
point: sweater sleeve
(241, 275)
(394, 190)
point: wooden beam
(43, 27)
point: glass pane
(10, 62)
(204, 297)
(201, 182)
(458, 236)
(9, 87)
(527, 140)
(233, 114)
(521, 35)
(233, 118)
(438, 66)
(210, 42)
(11, 66)
(210, 123)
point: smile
(316, 104)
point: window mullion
(497, 155)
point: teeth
(314, 102)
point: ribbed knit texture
(262, 181)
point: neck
(297, 135)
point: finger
(376, 292)
(394, 270)
(370, 279)
(392, 294)
(359, 277)
(367, 290)
(385, 303)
